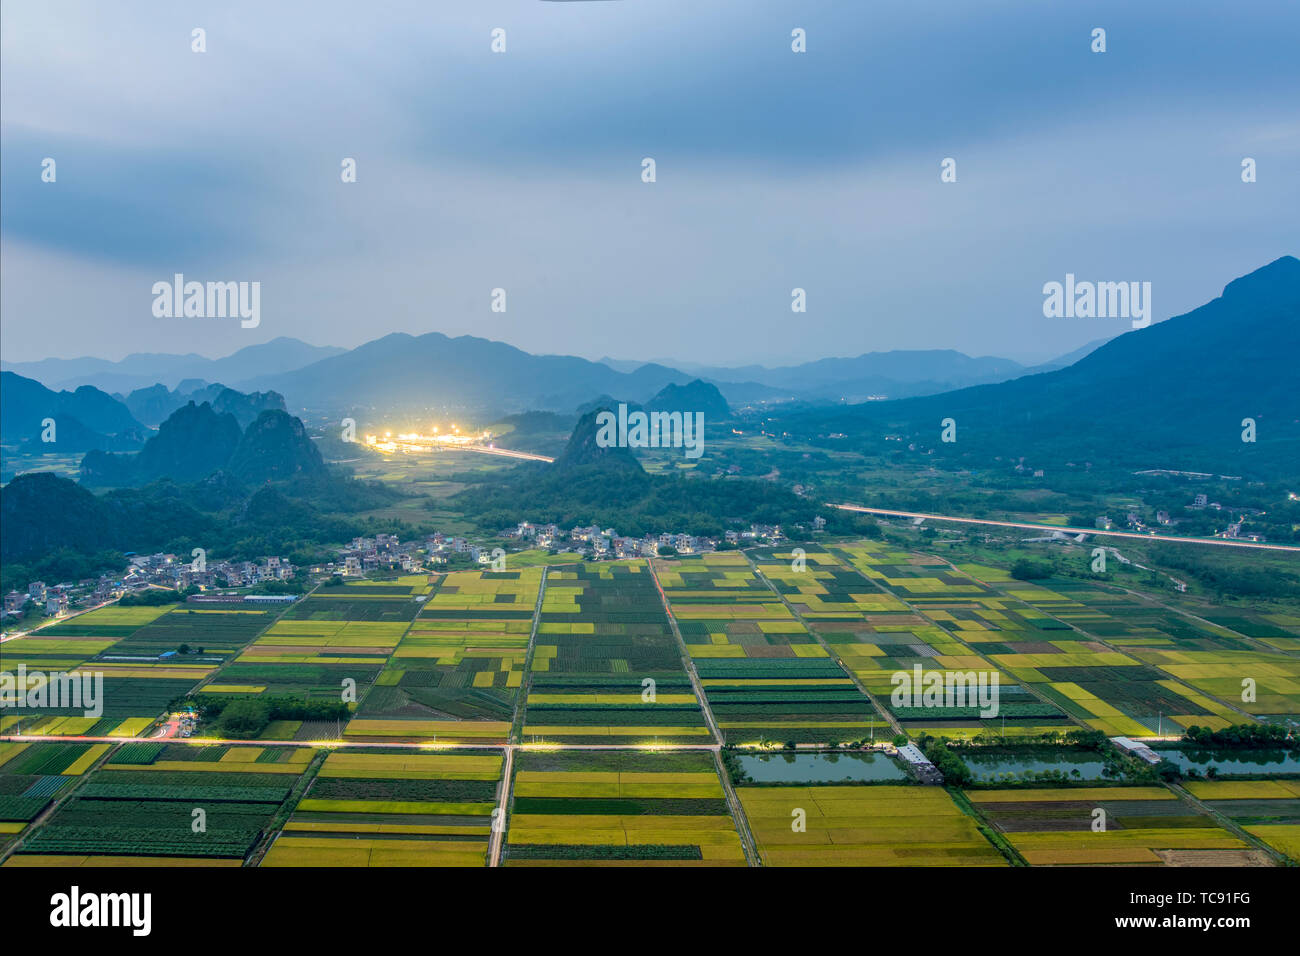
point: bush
(1027, 570)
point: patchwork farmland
(135, 650)
(1267, 809)
(937, 624)
(33, 775)
(765, 675)
(393, 809)
(172, 803)
(606, 667)
(864, 826)
(549, 716)
(620, 808)
(337, 637)
(456, 672)
(1110, 826)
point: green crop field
(393, 809)
(606, 666)
(619, 809)
(168, 801)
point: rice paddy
(863, 826)
(1267, 809)
(451, 670)
(1147, 826)
(146, 656)
(393, 809)
(606, 666)
(611, 809)
(765, 674)
(463, 657)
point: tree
(1026, 570)
(245, 718)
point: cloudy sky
(522, 170)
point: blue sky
(522, 170)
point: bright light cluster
(415, 442)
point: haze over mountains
(400, 372)
(1174, 395)
(143, 369)
(896, 374)
(83, 419)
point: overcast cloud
(522, 170)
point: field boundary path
(275, 828)
(1227, 823)
(526, 684)
(58, 802)
(737, 811)
(514, 742)
(687, 663)
(996, 587)
(500, 821)
(862, 688)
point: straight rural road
(1224, 542)
(215, 741)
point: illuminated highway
(1064, 529)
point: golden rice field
(393, 809)
(58, 861)
(1266, 809)
(1147, 826)
(863, 826)
(634, 816)
(433, 731)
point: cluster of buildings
(143, 573)
(1133, 522)
(1234, 528)
(383, 552)
(608, 543)
(55, 599)
(1200, 502)
(170, 571)
(386, 552)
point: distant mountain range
(1171, 395)
(433, 372)
(901, 373)
(1174, 395)
(89, 419)
(83, 419)
(143, 369)
(153, 404)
